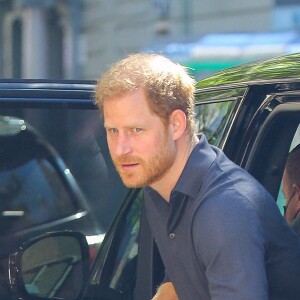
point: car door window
(214, 113)
(124, 266)
(79, 139)
(32, 190)
(116, 274)
(29, 188)
(55, 174)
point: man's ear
(177, 123)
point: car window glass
(29, 188)
(213, 118)
(127, 250)
(55, 174)
(79, 140)
(117, 273)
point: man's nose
(123, 145)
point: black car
(52, 172)
(61, 118)
(252, 112)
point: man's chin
(133, 183)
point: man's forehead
(125, 92)
(137, 99)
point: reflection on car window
(79, 138)
(28, 188)
(118, 272)
(125, 260)
(212, 119)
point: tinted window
(79, 139)
(215, 111)
(117, 262)
(213, 118)
(126, 251)
(32, 194)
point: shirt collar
(190, 180)
(199, 162)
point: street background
(79, 39)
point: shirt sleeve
(229, 240)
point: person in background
(291, 189)
(219, 232)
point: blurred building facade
(74, 39)
(39, 38)
(117, 27)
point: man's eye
(137, 130)
(113, 130)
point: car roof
(278, 69)
(56, 93)
(46, 84)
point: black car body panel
(50, 94)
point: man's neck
(167, 183)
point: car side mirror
(52, 266)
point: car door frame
(270, 140)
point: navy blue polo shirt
(221, 235)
